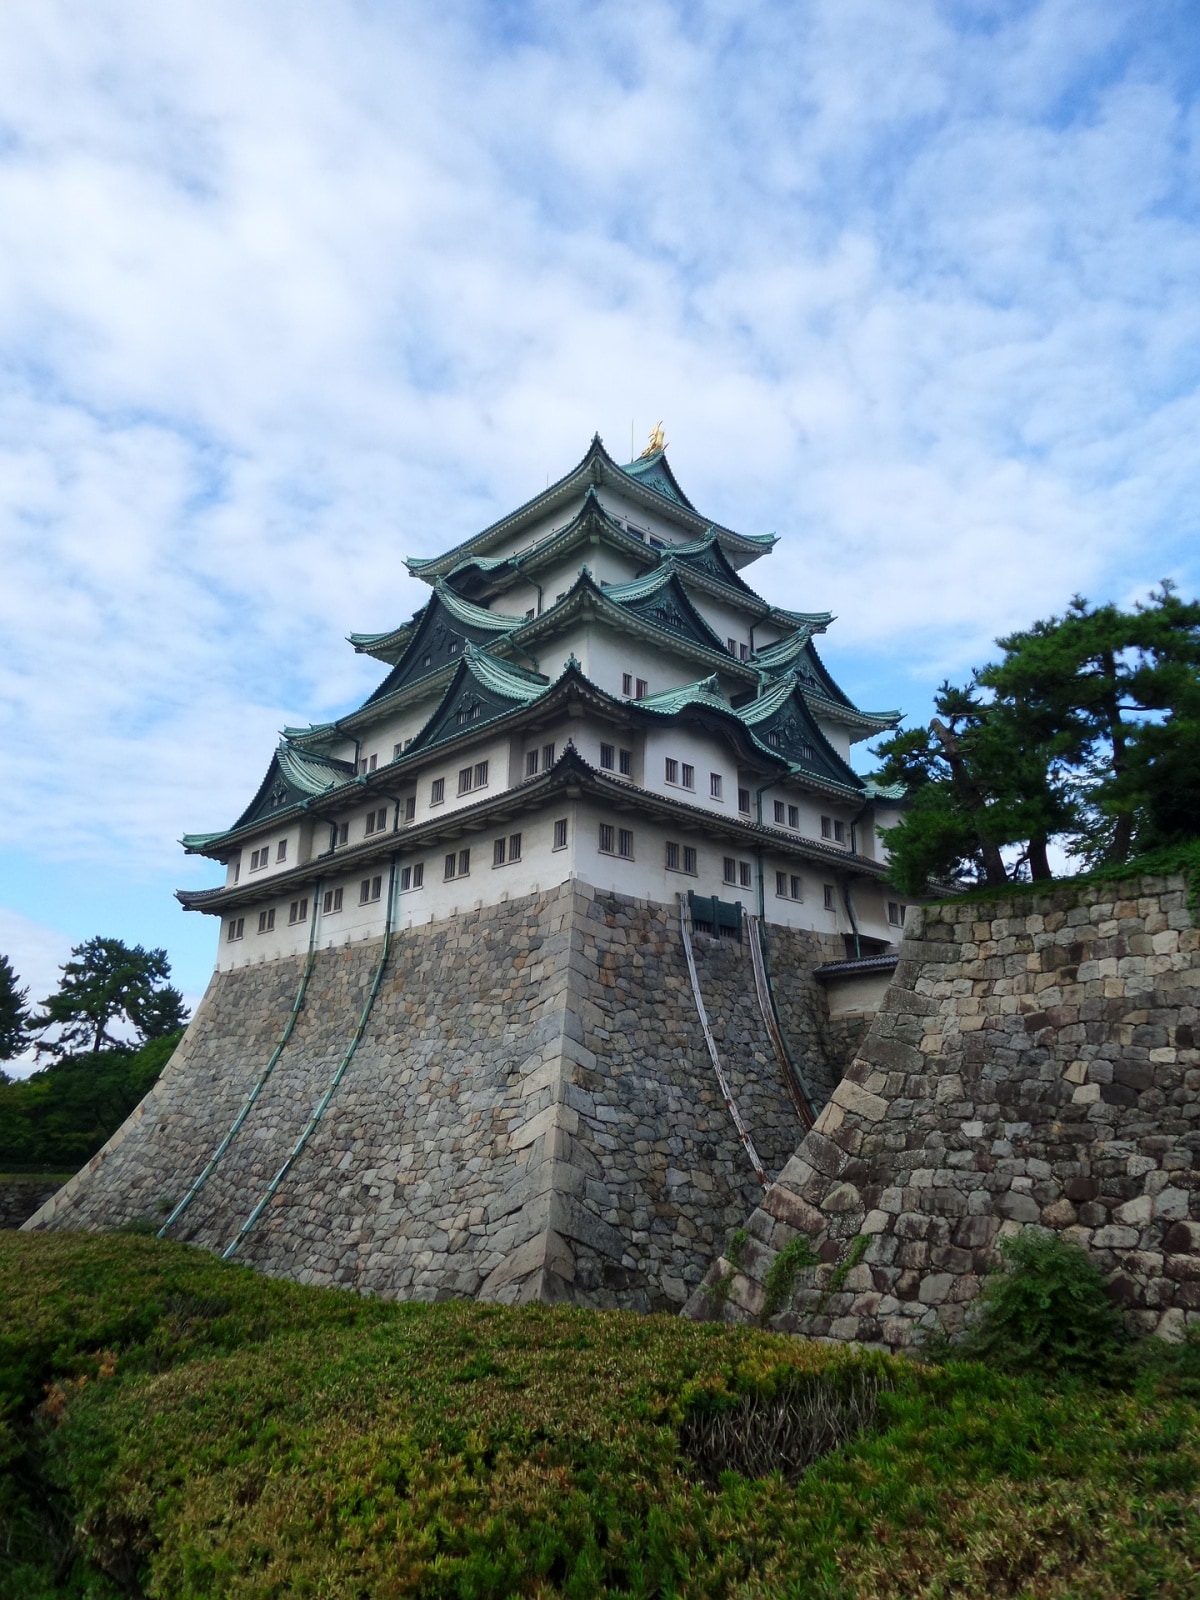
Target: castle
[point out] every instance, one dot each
(592, 691)
(533, 970)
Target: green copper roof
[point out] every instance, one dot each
(654, 471)
(788, 727)
(705, 691)
(481, 690)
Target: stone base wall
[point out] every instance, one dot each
(1034, 1064)
(20, 1197)
(531, 1111)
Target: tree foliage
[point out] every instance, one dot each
(14, 1013)
(1086, 731)
(107, 982)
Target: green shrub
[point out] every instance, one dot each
(1047, 1311)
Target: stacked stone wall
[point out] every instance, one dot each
(1034, 1064)
(531, 1111)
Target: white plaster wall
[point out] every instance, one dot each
(706, 755)
(858, 995)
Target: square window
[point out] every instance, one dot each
(715, 785)
(481, 774)
(781, 884)
(744, 801)
(547, 757)
(797, 892)
(560, 834)
(627, 683)
(745, 878)
(827, 827)
(626, 763)
(689, 859)
(464, 863)
(672, 770)
(780, 811)
(410, 808)
(514, 847)
(498, 852)
(730, 870)
(608, 838)
(464, 780)
(625, 843)
(689, 776)
(531, 763)
(607, 757)
(437, 791)
(793, 816)
(830, 898)
(451, 863)
(672, 857)
(642, 689)
(342, 831)
(281, 850)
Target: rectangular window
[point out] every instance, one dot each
(744, 801)
(281, 850)
(464, 863)
(793, 816)
(369, 889)
(642, 689)
(481, 774)
(437, 791)
(625, 843)
(896, 913)
(689, 859)
(547, 757)
(397, 751)
(627, 684)
(237, 927)
(780, 811)
(732, 643)
(341, 833)
(689, 776)
(266, 921)
(560, 834)
(498, 852)
(672, 770)
(410, 808)
(412, 877)
(608, 839)
(830, 898)
(529, 615)
(451, 864)
(608, 757)
(672, 857)
(797, 888)
(298, 911)
(374, 762)
(744, 651)
(514, 847)
(258, 858)
(625, 757)
(332, 901)
(376, 822)
(531, 763)
(827, 827)
(715, 785)
(464, 780)
(730, 870)
(788, 886)
(405, 879)
(781, 884)
(744, 875)
(237, 871)
(839, 832)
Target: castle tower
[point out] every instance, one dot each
(483, 1021)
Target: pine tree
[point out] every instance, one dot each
(14, 1013)
(106, 981)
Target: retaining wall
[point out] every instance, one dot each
(1034, 1063)
(531, 1112)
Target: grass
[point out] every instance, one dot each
(180, 1427)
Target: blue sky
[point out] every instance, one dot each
(288, 293)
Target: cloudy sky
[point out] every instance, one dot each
(289, 292)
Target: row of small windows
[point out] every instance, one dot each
(261, 858)
(739, 652)
(831, 827)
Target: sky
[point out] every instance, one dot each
(288, 293)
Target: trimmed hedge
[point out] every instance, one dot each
(178, 1427)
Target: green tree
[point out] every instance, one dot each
(1086, 731)
(14, 1013)
(105, 982)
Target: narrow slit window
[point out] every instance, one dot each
(744, 801)
(547, 757)
(830, 898)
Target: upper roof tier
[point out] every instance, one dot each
(648, 482)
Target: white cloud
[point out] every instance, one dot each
(286, 295)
